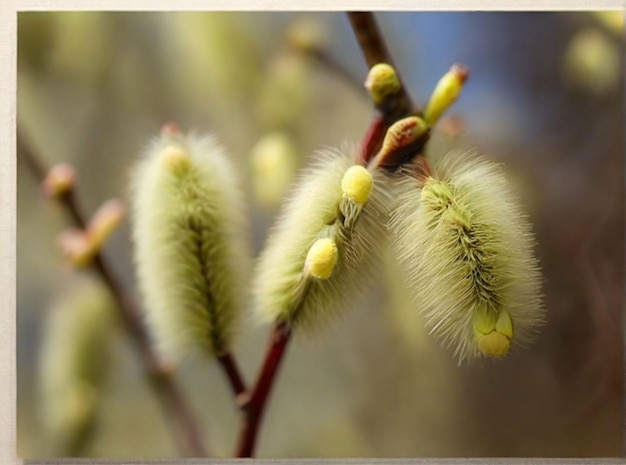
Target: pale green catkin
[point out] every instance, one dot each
(191, 252)
(466, 249)
(321, 207)
(73, 356)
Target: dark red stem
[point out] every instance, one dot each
(233, 374)
(254, 408)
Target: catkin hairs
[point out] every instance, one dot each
(190, 249)
(322, 252)
(466, 249)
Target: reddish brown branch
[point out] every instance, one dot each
(397, 105)
(184, 426)
(254, 408)
(233, 374)
(375, 51)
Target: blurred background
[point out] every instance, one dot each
(545, 97)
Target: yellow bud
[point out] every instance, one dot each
(59, 181)
(484, 321)
(504, 325)
(493, 344)
(321, 258)
(446, 92)
(382, 81)
(357, 184)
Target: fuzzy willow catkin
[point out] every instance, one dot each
(466, 250)
(76, 342)
(322, 252)
(190, 248)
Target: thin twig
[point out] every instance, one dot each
(233, 374)
(375, 51)
(185, 429)
(325, 59)
(254, 408)
(397, 105)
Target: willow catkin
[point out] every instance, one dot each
(322, 252)
(466, 250)
(190, 247)
(75, 348)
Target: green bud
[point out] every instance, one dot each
(446, 92)
(381, 82)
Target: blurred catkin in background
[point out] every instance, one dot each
(93, 87)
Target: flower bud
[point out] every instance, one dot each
(356, 184)
(381, 82)
(466, 250)
(446, 92)
(80, 247)
(105, 221)
(400, 141)
(190, 249)
(77, 248)
(321, 258)
(59, 181)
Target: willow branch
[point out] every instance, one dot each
(255, 406)
(184, 427)
(233, 375)
(397, 105)
(375, 51)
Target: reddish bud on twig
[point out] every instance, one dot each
(59, 181)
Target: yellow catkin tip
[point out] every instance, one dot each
(381, 82)
(493, 344)
(484, 321)
(174, 157)
(446, 92)
(504, 325)
(321, 258)
(357, 184)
